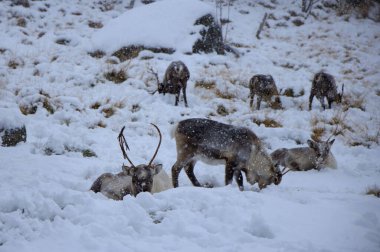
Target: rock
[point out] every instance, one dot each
(212, 39)
(12, 127)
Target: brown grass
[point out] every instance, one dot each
(268, 123)
(97, 54)
(116, 76)
(224, 95)
(317, 133)
(205, 84)
(373, 190)
(353, 101)
(108, 112)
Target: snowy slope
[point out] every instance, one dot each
(45, 204)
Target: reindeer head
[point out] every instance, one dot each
(142, 175)
(322, 150)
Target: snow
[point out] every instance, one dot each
(157, 26)
(46, 205)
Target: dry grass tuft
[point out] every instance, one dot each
(206, 84)
(116, 76)
(268, 123)
(108, 112)
(289, 92)
(373, 190)
(224, 95)
(97, 54)
(353, 101)
(317, 133)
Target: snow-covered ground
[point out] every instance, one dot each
(45, 202)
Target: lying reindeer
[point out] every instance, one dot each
(175, 79)
(133, 179)
(265, 88)
(318, 155)
(323, 85)
(239, 148)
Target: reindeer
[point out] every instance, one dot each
(239, 148)
(323, 85)
(316, 156)
(265, 88)
(133, 179)
(176, 76)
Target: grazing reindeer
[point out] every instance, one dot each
(316, 156)
(265, 88)
(239, 148)
(323, 85)
(175, 79)
(133, 179)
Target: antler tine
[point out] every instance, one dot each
(283, 173)
(123, 142)
(150, 69)
(159, 144)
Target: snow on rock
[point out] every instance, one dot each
(163, 24)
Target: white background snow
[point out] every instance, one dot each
(45, 202)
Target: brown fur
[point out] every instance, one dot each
(239, 148)
(324, 86)
(265, 88)
(176, 76)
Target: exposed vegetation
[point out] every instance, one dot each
(116, 76)
(373, 190)
(206, 84)
(267, 122)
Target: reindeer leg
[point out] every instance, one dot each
(311, 97)
(177, 98)
(252, 96)
(176, 169)
(184, 94)
(239, 179)
(329, 102)
(189, 168)
(322, 101)
(229, 173)
(259, 98)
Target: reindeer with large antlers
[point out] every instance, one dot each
(176, 76)
(133, 179)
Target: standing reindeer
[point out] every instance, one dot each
(176, 76)
(239, 148)
(265, 88)
(133, 179)
(323, 85)
(316, 156)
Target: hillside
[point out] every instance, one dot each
(58, 78)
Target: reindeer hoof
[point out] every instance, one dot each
(241, 188)
(208, 185)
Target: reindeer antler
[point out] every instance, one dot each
(150, 69)
(283, 173)
(123, 142)
(159, 144)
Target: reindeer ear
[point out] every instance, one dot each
(129, 170)
(312, 144)
(157, 168)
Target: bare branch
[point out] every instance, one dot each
(261, 26)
